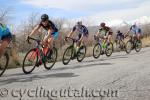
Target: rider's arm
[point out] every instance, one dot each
(98, 32)
(109, 31)
(72, 31)
(128, 31)
(81, 38)
(35, 30)
(49, 34)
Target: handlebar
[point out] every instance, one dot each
(74, 40)
(99, 37)
(30, 38)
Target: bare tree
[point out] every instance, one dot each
(5, 14)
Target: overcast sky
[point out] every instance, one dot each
(94, 11)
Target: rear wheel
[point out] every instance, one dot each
(3, 63)
(81, 53)
(67, 55)
(29, 61)
(109, 49)
(97, 50)
(138, 45)
(50, 59)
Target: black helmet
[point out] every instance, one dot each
(102, 24)
(118, 31)
(44, 17)
(79, 23)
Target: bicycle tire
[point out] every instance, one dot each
(136, 46)
(126, 47)
(70, 56)
(94, 51)
(5, 65)
(25, 58)
(79, 53)
(54, 51)
(106, 51)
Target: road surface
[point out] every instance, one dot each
(119, 77)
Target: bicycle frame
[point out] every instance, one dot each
(39, 50)
(73, 44)
(102, 41)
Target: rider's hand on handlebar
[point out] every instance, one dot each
(65, 39)
(27, 39)
(105, 37)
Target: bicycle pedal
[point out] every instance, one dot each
(38, 64)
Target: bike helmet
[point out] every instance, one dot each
(44, 17)
(118, 31)
(102, 24)
(79, 23)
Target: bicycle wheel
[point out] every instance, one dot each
(81, 53)
(138, 45)
(128, 47)
(3, 63)
(109, 49)
(51, 59)
(29, 61)
(67, 55)
(97, 50)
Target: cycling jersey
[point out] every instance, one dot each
(81, 30)
(104, 30)
(52, 26)
(135, 29)
(120, 36)
(4, 32)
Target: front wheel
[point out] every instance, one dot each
(81, 53)
(3, 63)
(97, 50)
(51, 58)
(67, 55)
(128, 47)
(138, 45)
(30, 61)
(109, 49)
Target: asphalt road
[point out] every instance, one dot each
(119, 77)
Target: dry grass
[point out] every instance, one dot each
(146, 42)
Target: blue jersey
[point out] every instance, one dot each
(4, 31)
(135, 29)
(81, 29)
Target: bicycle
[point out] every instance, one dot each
(133, 43)
(72, 53)
(120, 44)
(4, 60)
(102, 47)
(36, 57)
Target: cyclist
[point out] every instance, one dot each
(5, 38)
(105, 32)
(82, 33)
(120, 35)
(52, 32)
(135, 31)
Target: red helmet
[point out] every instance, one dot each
(102, 24)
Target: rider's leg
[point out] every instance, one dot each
(79, 40)
(85, 40)
(4, 44)
(109, 39)
(138, 36)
